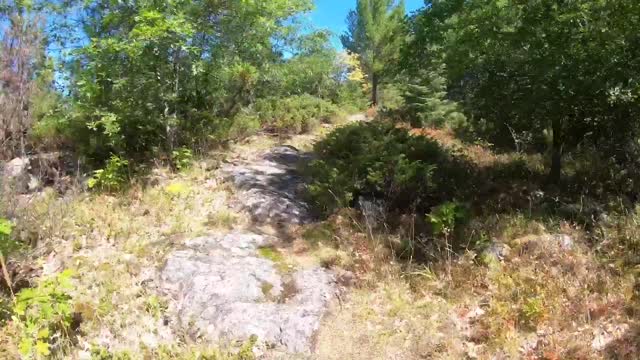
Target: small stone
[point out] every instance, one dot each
(475, 314)
(16, 167)
(53, 265)
(149, 341)
(84, 355)
(34, 183)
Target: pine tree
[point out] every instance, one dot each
(427, 102)
(376, 34)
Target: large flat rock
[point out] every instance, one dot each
(226, 292)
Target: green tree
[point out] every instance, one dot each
(159, 74)
(566, 69)
(376, 34)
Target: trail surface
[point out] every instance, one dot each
(227, 291)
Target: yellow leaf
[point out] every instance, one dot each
(42, 348)
(43, 333)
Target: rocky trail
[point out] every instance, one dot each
(226, 291)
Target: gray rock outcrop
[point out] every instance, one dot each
(269, 187)
(225, 292)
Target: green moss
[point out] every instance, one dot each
(275, 256)
(271, 253)
(178, 189)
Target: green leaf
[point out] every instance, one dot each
(43, 333)
(5, 227)
(42, 348)
(26, 346)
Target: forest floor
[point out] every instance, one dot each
(538, 292)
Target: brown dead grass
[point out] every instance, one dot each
(540, 302)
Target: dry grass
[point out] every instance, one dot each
(389, 321)
(538, 302)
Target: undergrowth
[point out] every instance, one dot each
(295, 114)
(507, 270)
(379, 160)
(43, 318)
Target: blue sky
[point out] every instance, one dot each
(331, 14)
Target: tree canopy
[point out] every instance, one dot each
(144, 77)
(566, 69)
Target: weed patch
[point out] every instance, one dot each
(44, 317)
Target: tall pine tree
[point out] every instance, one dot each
(375, 33)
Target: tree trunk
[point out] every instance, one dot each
(374, 90)
(556, 153)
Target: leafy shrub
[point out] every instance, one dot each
(182, 158)
(243, 124)
(352, 98)
(44, 316)
(204, 130)
(112, 177)
(295, 114)
(6, 245)
(445, 218)
(382, 161)
(532, 311)
(51, 132)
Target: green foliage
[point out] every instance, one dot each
(182, 158)
(446, 217)
(379, 160)
(295, 114)
(427, 104)
(376, 33)
(532, 311)
(113, 177)
(44, 316)
(244, 123)
(7, 244)
(155, 306)
(160, 75)
(5, 228)
(351, 97)
(315, 69)
(537, 67)
(50, 128)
